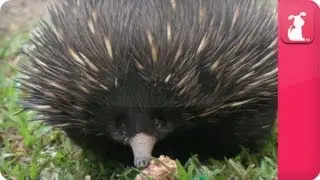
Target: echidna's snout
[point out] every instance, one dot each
(142, 145)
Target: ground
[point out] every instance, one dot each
(30, 150)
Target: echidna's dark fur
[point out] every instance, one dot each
(207, 69)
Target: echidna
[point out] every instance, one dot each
(173, 77)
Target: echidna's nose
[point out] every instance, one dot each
(142, 146)
(141, 162)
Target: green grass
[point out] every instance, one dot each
(29, 150)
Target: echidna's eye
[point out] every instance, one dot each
(120, 120)
(159, 123)
(159, 118)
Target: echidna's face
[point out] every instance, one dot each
(131, 121)
(137, 115)
(141, 129)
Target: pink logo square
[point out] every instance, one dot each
(297, 24)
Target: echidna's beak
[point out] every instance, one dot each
(142, 145)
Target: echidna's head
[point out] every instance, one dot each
(137, 114)
(141, 129)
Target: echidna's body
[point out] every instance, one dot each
(191, 76)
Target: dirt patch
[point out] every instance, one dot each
(18, 16)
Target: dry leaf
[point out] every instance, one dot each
(1, 177)
(1, 3)
(162, 169)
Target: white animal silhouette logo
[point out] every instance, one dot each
(295, 30)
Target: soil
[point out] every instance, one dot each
(18, 16)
